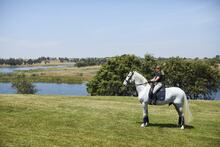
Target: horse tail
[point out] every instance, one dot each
(186, 111)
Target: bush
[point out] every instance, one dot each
(23, 86)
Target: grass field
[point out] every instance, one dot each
(56, 75)
(33, 120)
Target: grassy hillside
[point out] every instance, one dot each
(33, 120)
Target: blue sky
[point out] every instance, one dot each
(101, 28)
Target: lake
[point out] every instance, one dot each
(13, 69)
(61, 89)
(50, 89)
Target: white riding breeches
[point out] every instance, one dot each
(157, 86)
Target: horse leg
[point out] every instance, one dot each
(145, 115)
(179, 109)
(179, 114)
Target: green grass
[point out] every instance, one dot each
(55, 75)
(33, 120)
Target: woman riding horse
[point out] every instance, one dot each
(156, 84)
(173, 95)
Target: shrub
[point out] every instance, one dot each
(23, 86)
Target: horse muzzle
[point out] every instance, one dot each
(125, 83)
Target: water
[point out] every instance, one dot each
(50, 89)
(13, 69)
(6, 88)
(216, 95)
(45, 88)
(62, 89)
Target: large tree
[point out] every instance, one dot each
(109, 79)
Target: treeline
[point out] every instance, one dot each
(20, 61)
(79, 62)
(199, 78)
(90, 61)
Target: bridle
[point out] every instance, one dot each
(129, 77)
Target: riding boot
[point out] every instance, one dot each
(154, 99)
(150, 96)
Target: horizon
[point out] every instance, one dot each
(83, 29)
(110, 57)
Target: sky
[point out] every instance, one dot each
(105, 28)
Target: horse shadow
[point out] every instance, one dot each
(167, 125)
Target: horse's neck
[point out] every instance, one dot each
(142, 87)
(139, 80)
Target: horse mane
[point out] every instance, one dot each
(142, 78)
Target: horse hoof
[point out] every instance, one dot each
(143, 125)
(182, 128)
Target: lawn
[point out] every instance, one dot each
(34, 120)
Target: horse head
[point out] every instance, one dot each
(129, 78)
(134, 76)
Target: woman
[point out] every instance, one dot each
(156, 83)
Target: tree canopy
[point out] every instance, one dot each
(109, 79)
(198, 78)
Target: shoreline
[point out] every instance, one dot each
(36, 65)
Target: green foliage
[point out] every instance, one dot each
(109, 79)
(197, 78)
(23, 86)
(149, 63)
(90, 61)
(215, 61)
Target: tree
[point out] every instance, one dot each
(215, 61)
(197, 78)
(149, 63)
(23, 86)
(90, 61)
(30, 61)
(109, 79)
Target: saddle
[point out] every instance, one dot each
(158, 96)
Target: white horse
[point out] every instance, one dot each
(173, 95)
